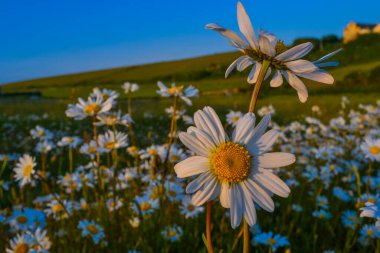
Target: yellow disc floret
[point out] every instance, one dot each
(92, 229)
(375, 150)
(230, 162)
(92, 108)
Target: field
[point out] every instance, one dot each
(91, 178)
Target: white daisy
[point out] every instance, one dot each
(105, 94)
(21, 243)
(41, 133)
(178, 91)
(114, 118)
(233, 117)
(130, 87)
(89, 149)
(112, 140)
(234, 169)
(267, 49)
(92, 107)
(71, 142)
(371, 149)
(25, 169)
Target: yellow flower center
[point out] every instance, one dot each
(230, 162)
(41, 133)
(28, 170)
(91, 150)
(92, 108)
(110, 145)
(92, 229)
(235, 118)
(271, 241)
(145, 206)
(152, 152)
(369, 232)
(190, 208)
(22, 219)
(21, 248)
(113, 204)
(325, 154)
(175, 89)
(70, 140)
(133, 150)
(171, 233)
(372, 200)
(56, 208)
(375, 150)
(332, 167)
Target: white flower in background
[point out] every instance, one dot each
(135, 222)
(44, 146)
(130, 87)
(92, 107)
(316, 109)
(114, 204)
(41, 243)
(178, 91)
(21, 243)
(344, 102)
(236, 169)
(89, 149)
(266, 47)
(266, 110)
(188, 209)
(41, 133)
(371, 149)
(105, 94)
(178, 113)
(71, 142)
(233, 117)
(111, 140)
(114, 118)
(25, 169)
(371, 210)
(133, 150)
(188, 120)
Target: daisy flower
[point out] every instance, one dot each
(235, 169)
(266, 49)
(112, 140)
(92, 107)
(188, 209)
(71, 142)
(41, 243)
(373, 211)
(89, 149)
(114, 118)
(21, 243)
(146, 204)
(44, 146)
(172, 233)
(130, 87)
(105, 94)
(90, 228)
(273, 240)
(27, 218)
(41, 133)
(371, 149)
(25, 169)
(178, 91)
(233, 117)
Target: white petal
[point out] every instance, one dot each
(243, 128)
(328, 56)
(193, 144)
(206, 139)
(232, 38)
(208, 121)
(232, 66)
(237, 205)
(301, 66)
(260, 196)
(198, 183)
(276, 159)
(192, 166)
(249, 206)
(297, 84)
(203, 195)
(244, 63)
(295, 52)
(257, 132)
(276, 79)
(255, 73)
(272, 182)
(245, 25)
(267, 140)
(266, 47)
(225, 196)
(321, 76)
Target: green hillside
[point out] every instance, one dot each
(206, 73)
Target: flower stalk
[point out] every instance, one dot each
(208, 227)
(256, 90)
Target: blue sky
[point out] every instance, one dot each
(50, 37)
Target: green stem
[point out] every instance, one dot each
(256, 90)
(172, 125)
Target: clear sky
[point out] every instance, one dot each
(49, 37)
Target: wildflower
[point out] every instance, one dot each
(188, 209)
(44, 146)
(130, 87)
(41, 133)
(113, 119)
(236, 169)
(369, 231)
(27, 219)
(20, 244)
(92, 107)
(371, 149)
(25, 169)
(112, 140)
(90, 228)
(135, 222)
(233, 117)
(349, 219)
(274, 241)
(41, 243)
(178, 91)
(133, 151)
(321, 214)
(172, 233)
(371, 210)
(71, 142)
(267, 49)
(266, 110)
(146, 205)
(114, 204)
(106, 94)
(89, 149)
(341, 194)
(322, 202)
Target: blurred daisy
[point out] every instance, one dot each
(92, 229)
(235, 169)
(178, 91)
(71, 142)
(112, 140)
(92, 107)
(188, 209)
(371, 210)
(25, 169)
(233, 117)
(113, 119)
(41, 243)
(266, 48)
(41, 133)
(130, 87)
(321, 214)
(133, 151)
(114, 204)
(27, 219)
(274, 241)
(369, 231)
(44, 146)
(371, 149)
(349, 219)
(172, 233)
(146, 205)
(89, 149)
(266, 110)
(20, 244)
(105, 94)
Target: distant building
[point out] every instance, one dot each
(354, 30)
